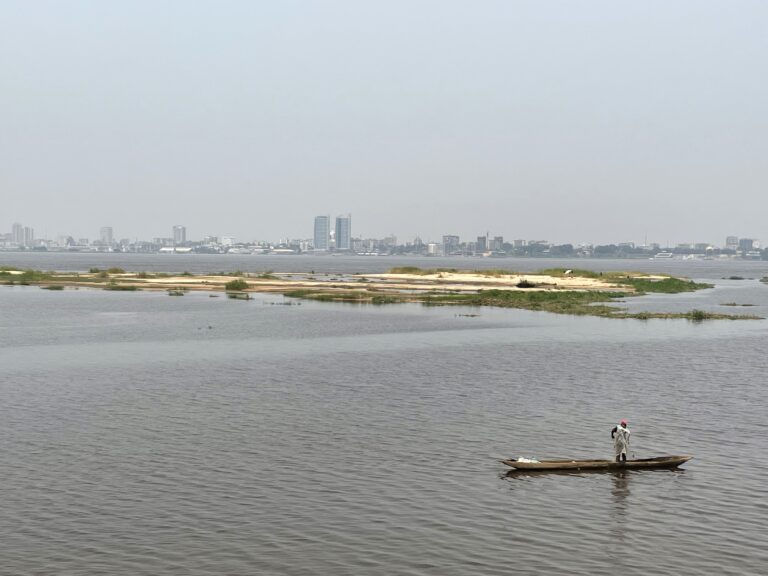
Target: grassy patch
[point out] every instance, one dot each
(28, 277)
(239, 295)
(577, 303)
(236, 285)
(121, 287)
(560, 302)
(416, 271)
(666, 286)
(576, 272)
(347, 296)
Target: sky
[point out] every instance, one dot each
(590, 121)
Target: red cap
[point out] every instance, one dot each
(623, 422)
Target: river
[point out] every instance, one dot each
(147, 434)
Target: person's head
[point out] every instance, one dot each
(623, 423)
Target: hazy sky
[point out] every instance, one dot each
(571, 121)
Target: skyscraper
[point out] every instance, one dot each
(450, 244)
(344, 232)
(105, 235)
(322, 232)
(179, 235)
(17, 234)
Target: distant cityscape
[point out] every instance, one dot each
(334, 236)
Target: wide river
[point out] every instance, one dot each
(142, 434)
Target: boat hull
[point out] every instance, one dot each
(645, 463)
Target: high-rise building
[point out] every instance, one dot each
(746, 244)
(732, 242)
(17, 234)
(344, 232)
(105, 235)
(482, 244)
(29, 236)
(497, 244)
(450, 244)
(179, 234)
(322, 232)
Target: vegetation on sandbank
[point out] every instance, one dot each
(524, 291)
(236, 285)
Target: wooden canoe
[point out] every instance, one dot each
(658, 462)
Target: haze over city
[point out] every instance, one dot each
(575, 122)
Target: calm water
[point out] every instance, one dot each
(144, 434)
(202, 263)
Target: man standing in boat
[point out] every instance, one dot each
(620, 435)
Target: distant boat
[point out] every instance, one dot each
(662, 255)
(658, 462)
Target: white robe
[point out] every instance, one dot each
(621, 440)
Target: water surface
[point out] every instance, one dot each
(144, 434)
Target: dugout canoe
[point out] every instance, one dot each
(643, 463)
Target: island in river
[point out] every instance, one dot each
(575, 292)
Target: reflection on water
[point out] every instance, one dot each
(620, 508)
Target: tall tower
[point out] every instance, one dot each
(344, 232)
(105, 235)
(17, 234)
(322, 232)
(179, 235)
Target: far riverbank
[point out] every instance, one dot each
(214, 263)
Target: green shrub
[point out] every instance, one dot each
(236, 285)
(697, 315)
(121, 288)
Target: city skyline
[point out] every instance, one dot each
(299, 230)
(337, 235)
